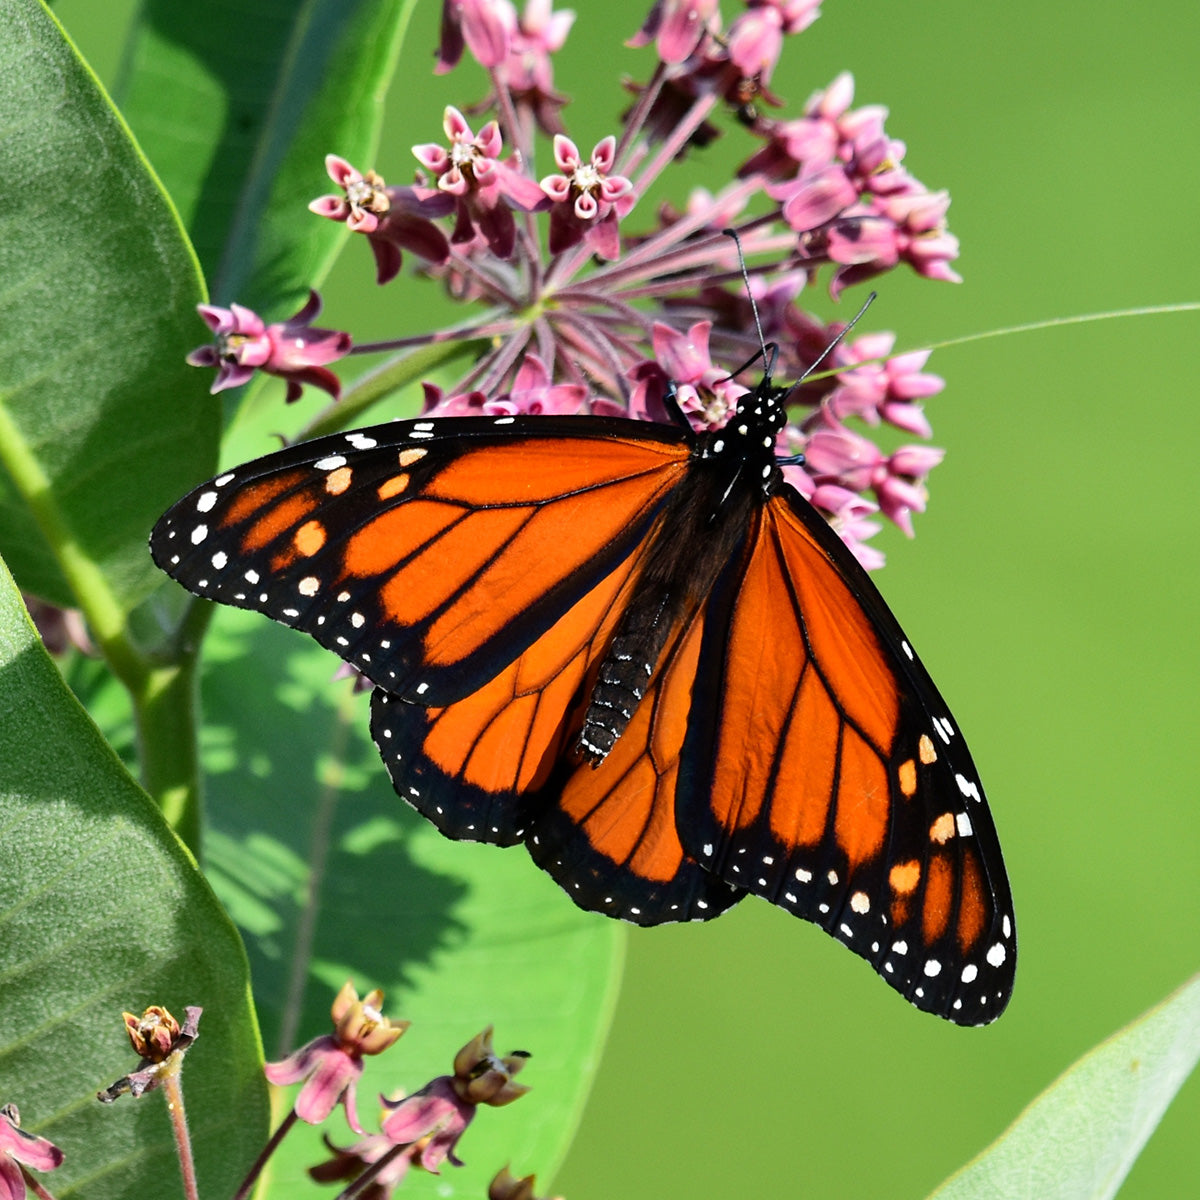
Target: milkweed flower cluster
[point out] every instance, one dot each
(590, 301)
(418, 1131)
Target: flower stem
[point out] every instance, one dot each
(35, 1187)
(261, 1161)
(360, 1184)
(172, 1086)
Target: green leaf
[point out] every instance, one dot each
(237, 106)
(1079, 1138)
(332, 877)
(101, 909)
(102, 424)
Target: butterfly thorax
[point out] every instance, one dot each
(702, 531)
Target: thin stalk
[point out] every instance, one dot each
(272, 1145)
(172, 1086)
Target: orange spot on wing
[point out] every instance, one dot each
(309, 538)
(336, 482)
(974, 906)
(275, 522)
(907, 775)
(942, 830)
(904, 877)
(408, 457)
(392, 487)
(939, 897)
(926, 750)
(256, 495)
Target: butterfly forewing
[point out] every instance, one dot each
(429, 554)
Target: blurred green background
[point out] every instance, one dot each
(1053, 591)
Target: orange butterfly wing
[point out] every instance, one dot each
(821, 771)
(429, 554)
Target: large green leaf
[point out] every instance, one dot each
(1079, 1138)
(237, 106)
(100, 419)
(101, 909)
(331, 876)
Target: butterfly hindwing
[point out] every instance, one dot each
(477, 768)
(502, 766)
(429, 554)
(822, 771)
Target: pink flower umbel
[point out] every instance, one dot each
(20, 1149)
(292, 349)
(331, 1065)
(585, 302)
(438, 1115)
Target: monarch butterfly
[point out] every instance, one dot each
(637, 649)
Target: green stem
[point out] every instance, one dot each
(101, 608)
(163, 695)
(164, 709)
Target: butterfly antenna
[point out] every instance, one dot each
(833, 345)
(768, 356)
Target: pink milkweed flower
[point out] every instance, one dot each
(856, 463)
(19, 1148)
(676, 27)
(440, 1112)
(527, 70)
(349, 1162)
(391, 218)
(587, 199)
(331, 1065)
(706, 394)
(484, 26)
(876, 391)
(908, 227)
(292, 349)
(755, 38)
(532, 393)
(482, 186)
